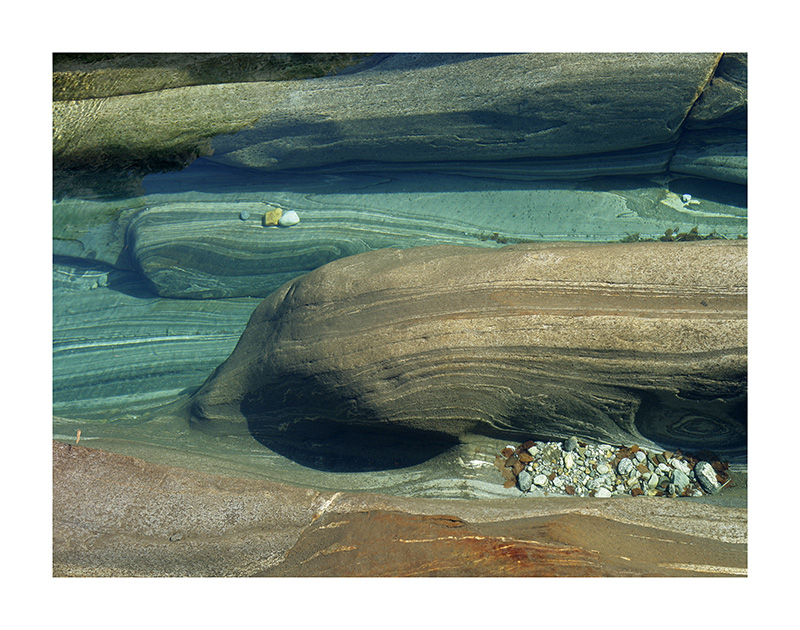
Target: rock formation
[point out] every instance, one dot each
(625, 343)
(115, 515)
(392, 108)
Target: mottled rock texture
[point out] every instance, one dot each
(115, 515)
(621, 342)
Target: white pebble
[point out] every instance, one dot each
(289, 218)
(540, 480)
(686, 198)
(603, 493)
(603, 469)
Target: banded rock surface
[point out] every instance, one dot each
(621, 342)
(200, 248)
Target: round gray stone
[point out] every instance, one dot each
(625, 466)
(681, 480)
(524, 480)
(571, 444)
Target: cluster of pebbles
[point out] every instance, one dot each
(601, 470)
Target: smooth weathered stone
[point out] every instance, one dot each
(625, 466)
(392, 108)
(525, 480)
(468, 107)
(540, 480)
(115, 515)
(707, 477)
(681, 480)
(552, 340)
(571, 444)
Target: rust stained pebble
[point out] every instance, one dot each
(518, 467)
(509, 474)
(271, 217)
(509, 483)
(525, 457)
(569, 489)
(499, 462)
(507, 452)
(636, 492)
(511, 460)
(642, 468)
(526, 445)
(634, 448)
(551, 476)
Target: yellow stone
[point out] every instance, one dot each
(271, 217)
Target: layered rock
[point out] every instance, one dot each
(119, 351)
(714, 143)
(198, 246)
(388, 108)
(115, 515)
(627, 343)
(422, 108)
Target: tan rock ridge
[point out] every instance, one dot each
(622, 343)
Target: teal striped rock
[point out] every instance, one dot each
(196, 246)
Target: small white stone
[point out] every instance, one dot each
(679, 464)
(625, 466)
(603, 469)
(686, 198)
(603, 493)
(540, 480)
(640, 456)
(289, 218)
(569, 460)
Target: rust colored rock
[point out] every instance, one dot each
(383, 544)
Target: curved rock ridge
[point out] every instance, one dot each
(614, 342)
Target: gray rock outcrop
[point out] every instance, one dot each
(611, 342)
